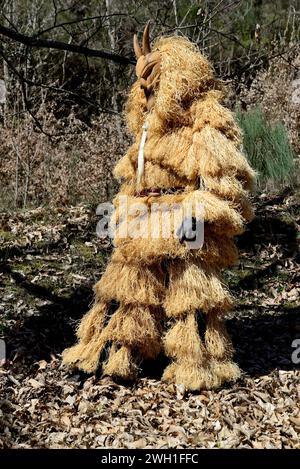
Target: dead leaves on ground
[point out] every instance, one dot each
(42, 405)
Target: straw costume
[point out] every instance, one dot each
(158, 295)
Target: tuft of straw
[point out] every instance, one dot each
(192, 287)
(85, 354)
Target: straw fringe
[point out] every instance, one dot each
(125, 169)
(131, 283)
(209, 112)
(191, 376)
(217, 340)
(192, 288)
(134, 234)
(121, 364)
(136, 327)
(219, 156)
(217, 251)
(183, 341)
(85, 354)
(219, 347)
(225, 371)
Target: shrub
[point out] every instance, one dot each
(267, 147)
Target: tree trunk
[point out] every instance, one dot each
(111, 36)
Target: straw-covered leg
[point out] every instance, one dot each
(85, 354)
(190, 365)
(134, 332)
(219, 348)
(199, 360)
(199, 364)
(124, 326)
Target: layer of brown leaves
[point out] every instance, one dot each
(54, 410)
(52, 258)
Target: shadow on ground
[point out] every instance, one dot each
(262, 343)
(52, 327)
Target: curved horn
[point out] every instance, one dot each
(146, 39)
(136, 46)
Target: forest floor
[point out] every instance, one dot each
(49, 261)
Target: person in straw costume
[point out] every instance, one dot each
(157, 294)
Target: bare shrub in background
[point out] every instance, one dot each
(277, 91)
(73, 166)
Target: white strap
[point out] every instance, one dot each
(141, 158)
(201, 184)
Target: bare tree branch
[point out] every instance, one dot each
(23, 80)
(30, 41)
(86, 99)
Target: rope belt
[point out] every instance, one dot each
(157, 191)
(141, 158)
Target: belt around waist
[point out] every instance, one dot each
(157, 191)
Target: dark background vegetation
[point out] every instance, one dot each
(61, 120)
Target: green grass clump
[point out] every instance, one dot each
(267, 147)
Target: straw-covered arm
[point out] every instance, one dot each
(225, 175)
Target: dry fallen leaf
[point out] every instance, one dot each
(35, 384)
(295, 421)
(65, 420)
(42, 364)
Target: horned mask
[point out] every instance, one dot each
(148, 66)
